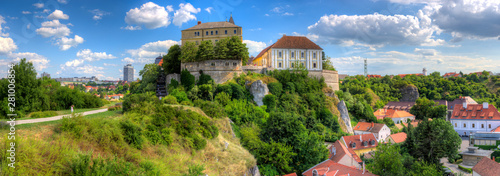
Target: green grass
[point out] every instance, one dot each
(468, 170)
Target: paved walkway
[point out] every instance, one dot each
(454, 167)
(19, 122)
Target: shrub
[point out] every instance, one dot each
(195, 170)
(179, 95)
(238, 91)
(468, 170)
(114, 108)
(187, 79)
(204, 79)
(43, 114)
(132, 133)
(169, 99)
(275, 88)
(224, 88)
(198, 142)
(173, 84)
(187, 103)
(486, 147)
(270, 101)
(139, 101)
(212, 109)
(222, 98)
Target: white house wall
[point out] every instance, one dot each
(286, 58)
(477, 125)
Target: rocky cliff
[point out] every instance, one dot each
(259, 90)
(409, 93)
(344, 119)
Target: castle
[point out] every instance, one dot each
(287, 53)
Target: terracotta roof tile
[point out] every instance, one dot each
(331, 168)
(350, 141)
(296, 42)
(497, 129)
(398, 137)
(391, 113)
(340, 151)
(490, 113)
(369, 127)
(487, 167)
(292, 174)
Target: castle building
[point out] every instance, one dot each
(291, 52)
(213, 31)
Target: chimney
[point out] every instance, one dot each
(493, 158)
(199, 22)
(485, 105)
(464, 105)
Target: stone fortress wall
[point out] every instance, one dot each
(224, 70)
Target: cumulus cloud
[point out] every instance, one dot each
(88, 55)
(426, 52)
(127, 60)
(2, 21)
(374, 29)
(53, 29)
(149, 51)
(132, 28)
(255, 47)
(209, 9)
(150, 15)
(58, 15)
(185, 14)
(169, 8)
(38, 5)
(74, 63)
(66, 43)
(26, 12)
(39, 62)
(7, 46)
(98, 14)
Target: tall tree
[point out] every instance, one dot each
(237, 49)
(221, 50)
(149, 75)
(387, 160)
(171, 61)
(205, 51)
(425, 108)
(188, 52)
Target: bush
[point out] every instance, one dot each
(169, 99)
(173, 84)
(275, 88)
(486, 147)
(222, 98)
(204, 79)
(195, 170)
(212, 109)
(187, 103)
(179, 95)
(43, 114)
(198, 142)
(139, 101)
(468, 170)
(187, 79)
(132, 133)
(270, 101)
(238, 91)
(114, 108)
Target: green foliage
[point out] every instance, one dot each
(468, 170)
(188, 52)
(204, 78)
(275, 88)
(328, 65)
(222, 98)
(389, 122)
(114, 108)
(198, 142)
(173, 84)
(237, 50)
(220, 50)
(169, 99)
(387, 160)
(242, 112)
(212, 109)
(139, 102)
(83, 165)
(187, 79)
(486, 147)
(270, 101)
(425, 108)
(205, 51)
(195, 170)
(267, 169)
(181, 96)
(171, 61)
(149, 75)
(43, 114)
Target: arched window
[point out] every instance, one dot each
(302, 54)
(314, 55)
(279, 65)
(314, 65)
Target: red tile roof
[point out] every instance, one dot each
(487, 167)
(161, 62)
(341, 151)
(403, 75)
(373, 76)
(391, 113)
(497, 129)
(331, 168)
(296, 42)
(475, 112)
(369, 127)
(292, 174)
(355, 143)
(451, 74)
(398, 137)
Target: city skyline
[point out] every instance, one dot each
(71, 38)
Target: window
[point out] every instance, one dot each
(473, 125)
(465, 125)
(279, 54)
(234, 31)
(292, 54)
(293, 65)
(279, 65)
(211, 32)
(227, 63)
(195, 34)
(302, 64)
(212, 64)
(489, 125)
(216, 32)
(455, 124)
(226, 31)
(207, 32)
(314, 55)
(235, 64)
(482, 125)
(314, 65)
(302, 54)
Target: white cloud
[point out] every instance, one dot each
(281, 10)
(132, 28)
(127, 60)
(58, 15)
(26, 12)
(416, 1)
(106, 64)
(426, 52)
(374, 29)
(88, 55)
(150, 15)
(254, 47)
(74, 63)
(7, 46)
(169, 8)
(98, 14)
(39, 62)
(66, 43)
(62, 1)
(53, 29)
(184, 14)
(149, 51)
(89, 70)
(45, 11)
(38, 5)
(287, 14)
(209, 9)
(2, 21)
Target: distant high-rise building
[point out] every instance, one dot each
(128, 73)
(45, 74)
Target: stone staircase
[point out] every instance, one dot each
(161, 88)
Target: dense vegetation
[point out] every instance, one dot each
(43, 94)
(231, 48)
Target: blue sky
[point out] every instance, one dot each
(68, 38)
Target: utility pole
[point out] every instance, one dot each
(366, 68)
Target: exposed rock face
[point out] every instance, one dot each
(344, 119)
(409, 93)
(258, 89)
(254, 171)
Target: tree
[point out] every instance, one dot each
(187, 79)
(188, 52)
(205, 51)
(387, 160)
(425, 108)
(433, 140)
(221, 50)
(171, 61)
(237, 50)
(149, 75)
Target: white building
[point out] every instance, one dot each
(467, 118)
(381, 131)
(291, 52)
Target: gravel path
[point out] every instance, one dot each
(19, 122)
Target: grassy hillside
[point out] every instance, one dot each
(101, 145)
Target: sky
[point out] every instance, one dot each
(70, 38)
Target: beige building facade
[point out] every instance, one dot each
(213, 31)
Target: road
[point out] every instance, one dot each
(19, 122)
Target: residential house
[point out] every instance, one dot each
(291, 52)
(396, 138)
(397, 116)
(473, 155)
(292, 174)
(90, 88)
(339, 153)
(380, 130)
(451, 74)
(459, 101)
(486, 167)
(331, 168)
(360, 143)
(471, 118)
(373, 76)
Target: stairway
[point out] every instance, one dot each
(161, 89)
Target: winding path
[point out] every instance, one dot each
(19, 122)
